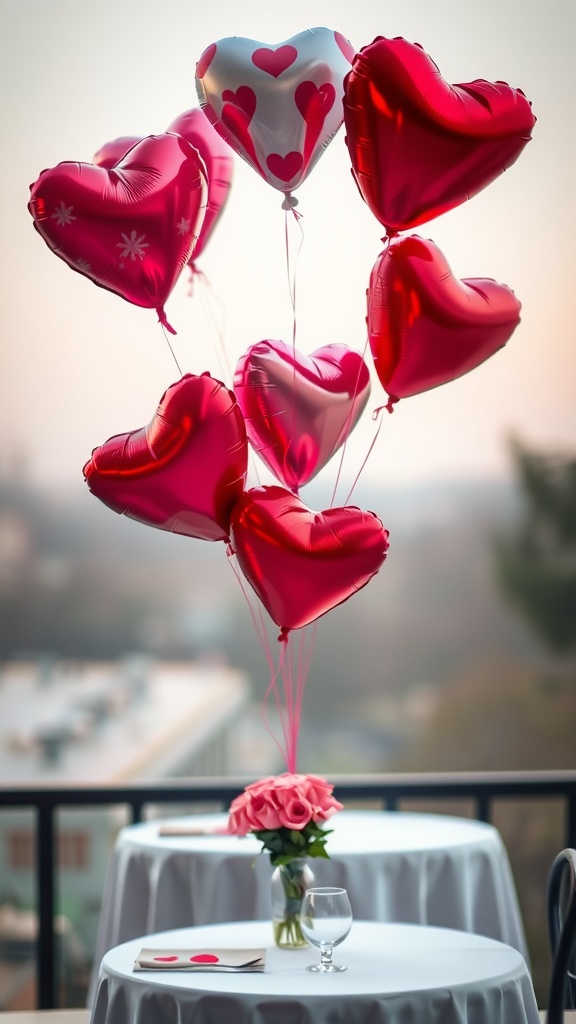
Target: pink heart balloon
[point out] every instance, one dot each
(278, 106)
(425, 326)
(130, 228)
(301, 563)
(194, 126)
(185, 470)
(300, 409)
(218, 161)
(420, 146)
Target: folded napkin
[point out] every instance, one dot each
(237, 961)
(189, 829)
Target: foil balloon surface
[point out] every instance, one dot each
(277, 105)
(216, 156)
(426, 327)
(185, 470)
(302, 563)
(130, 228)
(420, 146)
(299, 409)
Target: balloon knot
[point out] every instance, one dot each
(390, 234)
(283, 635)
(391, 403)
(162, 320)
(290, 201)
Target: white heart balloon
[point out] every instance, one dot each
(279, 105)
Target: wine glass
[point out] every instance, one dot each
(326, 920)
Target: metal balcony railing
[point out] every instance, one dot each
(386, 791)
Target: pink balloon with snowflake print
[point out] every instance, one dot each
(130, 228)
(278, 105)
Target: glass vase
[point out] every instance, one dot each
(289, 884)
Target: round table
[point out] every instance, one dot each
(396, 866)
(396, 973)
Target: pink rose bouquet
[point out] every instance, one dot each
(285, 812)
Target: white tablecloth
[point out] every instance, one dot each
(396, 974)
(420, 868)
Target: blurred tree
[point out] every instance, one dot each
(536, 564)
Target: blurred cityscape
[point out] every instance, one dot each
(128, 653)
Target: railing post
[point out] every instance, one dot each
(571, 820)
(483, 807)
(45, 863)
(136, 807)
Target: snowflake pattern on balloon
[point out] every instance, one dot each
(83, 265)
(183, 226)
(132, 246)
(63, 214)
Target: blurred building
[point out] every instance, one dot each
(64, 723)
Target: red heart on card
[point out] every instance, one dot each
(302, 563)
(420, 146)
(130, 228)
(425, 326)
(185, 470)
(300, 409)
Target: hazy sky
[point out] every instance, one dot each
(78, 364)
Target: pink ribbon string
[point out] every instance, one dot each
(169, 343)
(288, 703)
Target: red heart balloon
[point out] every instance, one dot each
(185, 470)
(420, 146)
(300, 409)
(425, 326)
(130, 228)
(303, 563)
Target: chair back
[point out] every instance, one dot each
(562, 935)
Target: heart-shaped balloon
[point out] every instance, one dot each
(425, 326)
(300, 409)
(195, 127)
(303, 563)
(185, 470)
(420, 146)
(277, 105)
(130, 228)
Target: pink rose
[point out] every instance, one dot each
(320, 796)
(289, 800)
(294, 812)
(238, 823)
(262, 812)
(261, 786)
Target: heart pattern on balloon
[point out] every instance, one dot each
(420, 146)
(277, 106)
(185, 470)
(130, 228)
(275, 61)
(300, 409)
(302, 563)
(425, 326)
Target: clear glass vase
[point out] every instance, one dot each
(289, 884)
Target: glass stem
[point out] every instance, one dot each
(326, 954)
